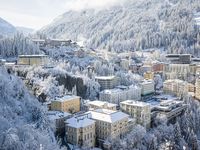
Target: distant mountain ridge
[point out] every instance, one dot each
(6, 29)
(138, 24)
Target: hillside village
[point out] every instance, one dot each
(122, 90)
(131, 82)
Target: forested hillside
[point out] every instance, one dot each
(23, 123)
(136, 25)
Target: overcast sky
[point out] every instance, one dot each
(38, 13)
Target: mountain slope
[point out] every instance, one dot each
(6, 28)
(23, 123)
(135, 25)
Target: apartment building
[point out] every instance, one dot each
(179, 71)
(120, 93)
(147, 87)
(109, 124)
(32, 60)
(107, 82)
(80, 131)
(176, 87)
(141, 111)
(92, 105)
(67, 103)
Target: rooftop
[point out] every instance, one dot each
(101, 103)
(107, 115)
(135, 103)
(39, 55)
(79, 121)
(67, 98)
(104, 77)
(53, 115)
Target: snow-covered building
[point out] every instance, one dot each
(120, 93)
(57, 118)
(100, 105)
(147, 87)
(175, 71)
(68, 103)
(80, 130)
(107, 82)
(109, 124)
(166, 107)
(141, 111)
(176, 87)
(32, 60)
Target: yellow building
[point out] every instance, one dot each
(141, 111)
(80, 130)
(149, 75)
(67, 103)
(32, 60)
(177, 87)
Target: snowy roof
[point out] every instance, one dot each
(101, 103)
(174, 81)
(164, 104)
(38, 40)
(53, 115)
(146, 82)
(79, 121)
(135, 103)
(104, 77)
(107, 115)
(67, 98)
(110, 91)
(33, 56)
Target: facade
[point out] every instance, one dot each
(176, 87)
(80, 131)
(121, 93)
(58, 118)
(147, 87)
(149, 75)
(109, 124)
(141, 111)
(197, 90)
(101, 105)
(67, 103)
(32, 60)
(107, 82)
(157, 67)
(179, 71)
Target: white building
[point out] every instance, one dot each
(147, 87)
(100, 105)
(107, 82)
(176, 87)
(141, 111)
(121, 93)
